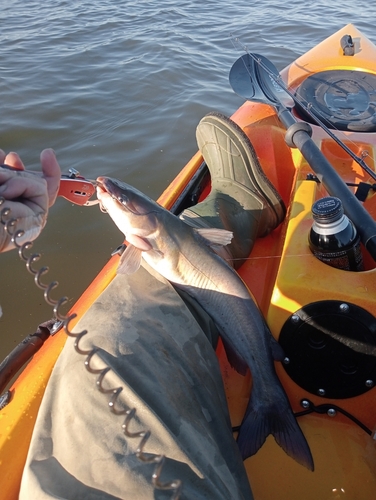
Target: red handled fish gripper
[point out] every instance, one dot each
(73, 187)
(77, 189)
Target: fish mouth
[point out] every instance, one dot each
(112, 187)
(105, 185)
(102, 185)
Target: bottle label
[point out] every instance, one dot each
(349, 260)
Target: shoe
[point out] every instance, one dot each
(242, 199)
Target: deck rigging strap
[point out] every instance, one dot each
(330, 409)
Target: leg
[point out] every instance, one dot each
(167, 368)
(242, 199)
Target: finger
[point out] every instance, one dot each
(23, 185)
(51, 172)
(13, 160)
(2, 157)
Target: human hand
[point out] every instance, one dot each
(28, 194)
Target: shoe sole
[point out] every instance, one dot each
(242, 142)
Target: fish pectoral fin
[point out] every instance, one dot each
(216, 236)
(139, 242)
(235, 360)
(130, 260)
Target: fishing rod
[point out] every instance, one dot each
(318, 122)
(272, 72)
(252, 81)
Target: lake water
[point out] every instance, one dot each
(117, 88)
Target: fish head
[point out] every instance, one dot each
(134, 213)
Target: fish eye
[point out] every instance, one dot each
(123, 199)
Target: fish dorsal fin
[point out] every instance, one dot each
(130, 260)
(215, 236)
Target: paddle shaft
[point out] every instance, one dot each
(255, 78)
(266, 67)
(331, 180)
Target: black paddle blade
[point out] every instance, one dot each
(255, 78)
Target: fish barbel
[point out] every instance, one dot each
(185, 257)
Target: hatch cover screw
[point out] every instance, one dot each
(321, 392)
(344, 308)
(305, 403)
(295, 318)
(369, 383)
(331, 412)
(286, 361)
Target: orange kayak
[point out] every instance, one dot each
(323, 316)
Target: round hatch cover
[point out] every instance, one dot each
(330, 349)
(341, 99)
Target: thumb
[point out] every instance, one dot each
(51, 172)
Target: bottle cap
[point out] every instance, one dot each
(328, 209)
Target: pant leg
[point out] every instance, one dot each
(167, 368)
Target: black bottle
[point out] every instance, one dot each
(333, 238)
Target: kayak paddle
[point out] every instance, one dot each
(255, 78)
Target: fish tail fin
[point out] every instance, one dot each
(258, 424)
